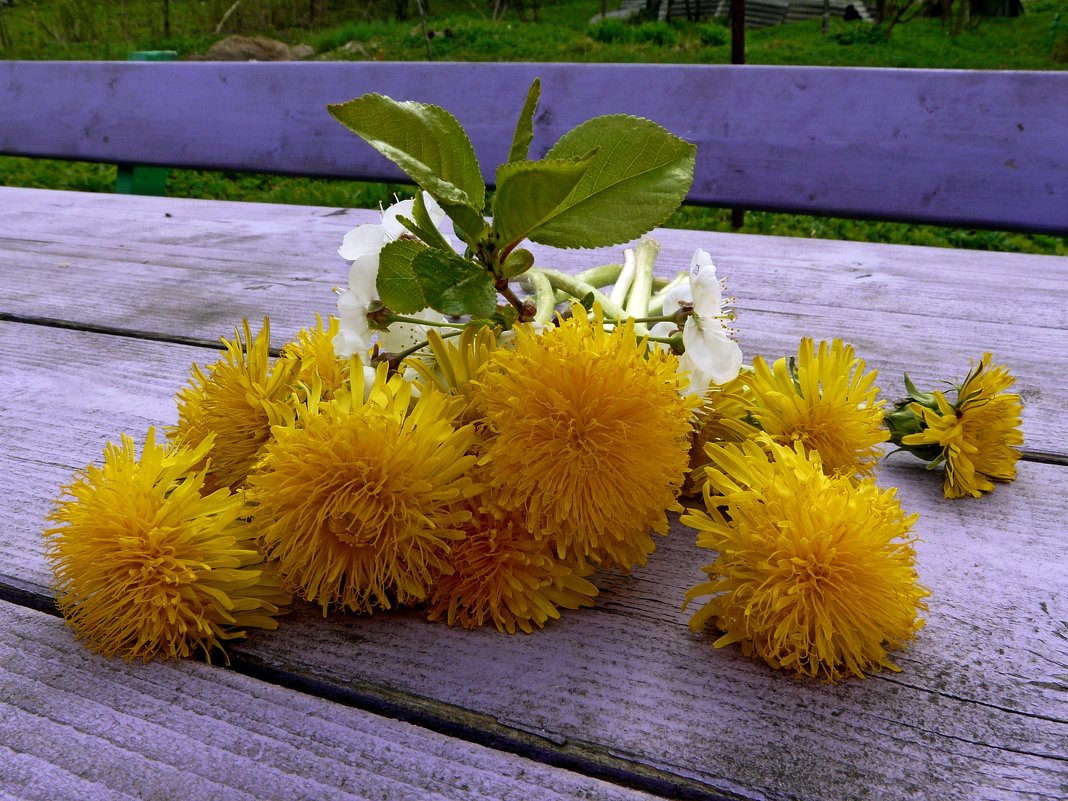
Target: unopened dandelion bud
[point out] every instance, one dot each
(976, 437)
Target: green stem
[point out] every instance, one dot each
(656, 318)
(638, 301)
(544, 296)
(626, 278)
(579, 289)
(675, 342)
(601, 276)
(404, 354)
(509, 294)
(396, 318)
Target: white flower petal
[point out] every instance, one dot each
(368, 381)
(346, 344)
(394, 228)
(355, 334)
(402, 336)
(705, 285)
(711, 351)
(363, 277)
(663, 330)
(698, 380)
(676, 296)
(362, 241)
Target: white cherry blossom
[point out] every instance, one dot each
(362, 246)
(711, 356)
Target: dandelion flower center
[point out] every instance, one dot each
(979, 435)
(501, 572)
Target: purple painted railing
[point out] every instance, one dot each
(987, 149)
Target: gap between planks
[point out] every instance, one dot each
(587, 759)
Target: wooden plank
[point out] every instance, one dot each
(979, 711)
(967, 148)
(74, 725)
(196, 272)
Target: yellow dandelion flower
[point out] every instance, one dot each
(722, 417)
(235, 402)
(454, 366)
(359, 500)
(503, 573)
(976, 437)
(815, 573)
(590, 437)
(315, 359)
(147, 566)
(825, 400)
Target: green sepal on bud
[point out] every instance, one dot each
(379, 316)
(923, 398)
(905, 420)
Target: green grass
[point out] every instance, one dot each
(462, 30)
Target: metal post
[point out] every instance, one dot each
(737, 57)
(138, 179)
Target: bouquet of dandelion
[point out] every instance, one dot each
(479, 436)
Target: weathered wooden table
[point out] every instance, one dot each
(105, 301)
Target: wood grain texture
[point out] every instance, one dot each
(980, 710)
(959, 147)
(189, 268)
(74, 725)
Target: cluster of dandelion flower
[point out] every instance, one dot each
(815, 567)
(976, 438)
(480, 437)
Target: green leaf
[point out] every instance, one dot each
(524, 126)
(532, 194)
(454, 285)
(425, 141)
(469, 224)
(428, 232)
(639, 176)
(518, 262)
(397, 285)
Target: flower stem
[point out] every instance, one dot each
(579, 289)
(544, 296)
(626, 278)
(509, 294)
(397, 358)
(657, 318)
(600, 276)
(638, 301)
(397, 318)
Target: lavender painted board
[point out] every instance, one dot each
(185, 268)
(978, 713)
(957, 147)
(74, 725)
